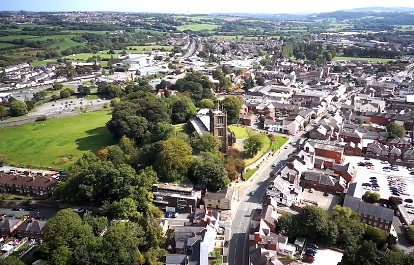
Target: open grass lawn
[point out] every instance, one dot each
(55, 143)
(266, 145)
(375, 60)
(198, 27)
(281, 140)
(249, 173)
(240, 132)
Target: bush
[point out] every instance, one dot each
(410, 233)
(41, 118)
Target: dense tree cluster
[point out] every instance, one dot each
(363, 244)
(69, 239)
(395, 130)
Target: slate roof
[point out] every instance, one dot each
(30, 225)
(372, 210)
(323, 178)
(224, 193)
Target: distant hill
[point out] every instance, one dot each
(381, 9)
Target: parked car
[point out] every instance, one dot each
(310, 245)
(411, 211)
(409, 200)
(170, 215)
(367, 158)
(409, 205)
(16, 209)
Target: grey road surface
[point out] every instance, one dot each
(238, 245)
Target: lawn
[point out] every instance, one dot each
(281, 140)
(197, 27)
(265, 147)
(240, 132)
(375, 60)
(249, 173)
(55, 143)
(68, 43)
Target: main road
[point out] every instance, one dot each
(238, 245)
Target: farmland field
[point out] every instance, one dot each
(375, 60)
(6, 45)
(55, 143)
(197, 27)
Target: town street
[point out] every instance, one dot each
(238, 245)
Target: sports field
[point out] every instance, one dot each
(55, 143)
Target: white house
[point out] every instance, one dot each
(283, 192)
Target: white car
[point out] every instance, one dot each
(411, 211)
(409, 206)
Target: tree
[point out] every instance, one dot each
(376, 235)
(66, 229)
(211, 171)
(125, 239)
(64, 93)
(116, 181)
(206, 104)
(232, 106)
(174, 160)
(396, 130)
(98, 224)
(205, 142)
(410, 233)
(17, 108)
(182, 109)
(248, 84)
(284, 223)
(311, 222)
(57, 86)
(260, 81)
(371, 197)
(11, 260)
(253, 144)
(126, 208)
(3, 112)
(60, 256)
(114, 90)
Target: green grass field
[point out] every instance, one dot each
(249, 173)
(197, 27)
(281, 140)
(240, 132)
(55, 143)
(66, 45)
(266, 145)
(6, 45)
(16, 37)
(374, 60)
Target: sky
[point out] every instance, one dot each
(197, 6)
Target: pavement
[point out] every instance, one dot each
(238, 245)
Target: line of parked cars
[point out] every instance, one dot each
(310, 252)
(396, 187)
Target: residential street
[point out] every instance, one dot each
(238, 247)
